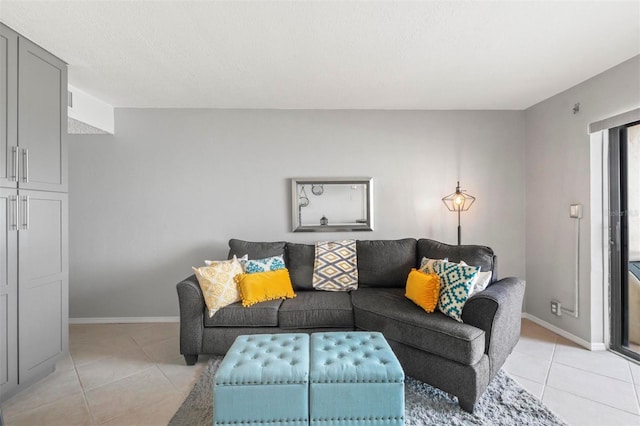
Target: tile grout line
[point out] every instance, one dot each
(595, 402)
(582, 396)
(546, 378)
(120, 378)
(84, 395)
(593, 372)
(140, 406)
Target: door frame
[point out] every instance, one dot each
(619, 241)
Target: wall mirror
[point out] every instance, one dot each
(331, 204)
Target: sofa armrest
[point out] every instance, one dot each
(191, 316)
(498, 311)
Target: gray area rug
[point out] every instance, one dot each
(504, 403)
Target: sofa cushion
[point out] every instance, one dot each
(385, 263)
(388, 311)
(313, 309)
(300, 261)
(255, 250)
(473, 255)
(264, 314)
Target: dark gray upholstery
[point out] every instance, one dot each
(300, 260)
(191, 316)
(467, 382)
(473, 255)
(313, 309)
(385, 263)
(387, 310)
(255, 250)
(497, 310)
(459, 358)
(264, 314)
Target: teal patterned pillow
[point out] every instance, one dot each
(253, 266)
(456, 286)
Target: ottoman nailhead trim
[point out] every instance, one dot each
(241, 422)
(284, 382)
(357, 381)
(333, 419)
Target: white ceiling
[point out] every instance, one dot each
(321, 54)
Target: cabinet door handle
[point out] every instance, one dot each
(14, 152)
(14, 219)
(26, 213)
(25, 160)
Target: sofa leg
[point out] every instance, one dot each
(467, 405)
(191, 359)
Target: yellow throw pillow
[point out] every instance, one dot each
(217, 283)
(263, 286)
(423, 289)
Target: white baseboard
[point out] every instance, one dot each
(122, 320)
(597, 346)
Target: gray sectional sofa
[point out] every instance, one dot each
(459, 358)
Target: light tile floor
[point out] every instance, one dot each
(116, 374)
(133, 374)
(580, 386)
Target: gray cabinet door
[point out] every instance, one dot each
(42, 112)
(8, 107)
(43, 282)
(8, 292)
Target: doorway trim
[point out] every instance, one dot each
(600, 273)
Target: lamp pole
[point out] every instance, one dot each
(459, 228)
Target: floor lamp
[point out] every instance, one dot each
(459, 201)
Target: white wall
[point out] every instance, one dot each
(558, 174)
(172, 186)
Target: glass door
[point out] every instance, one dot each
(624, 208)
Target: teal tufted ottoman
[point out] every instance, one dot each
(354, 379)
(263, 380)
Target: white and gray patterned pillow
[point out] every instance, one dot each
(482, 281)
(211, 262)
(336, 266)
(426, 264)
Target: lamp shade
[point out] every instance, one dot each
(459, 201)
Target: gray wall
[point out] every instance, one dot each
(558, 174)
(173, 185)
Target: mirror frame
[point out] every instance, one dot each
(296, 226)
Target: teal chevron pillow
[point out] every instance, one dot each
(267, 264)
(456, 285)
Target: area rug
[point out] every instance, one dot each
(504, 402)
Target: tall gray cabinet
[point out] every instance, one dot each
(34, 268)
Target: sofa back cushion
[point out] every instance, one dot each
(472, 255)
(385, 263)
(255, 250)
(300, 261)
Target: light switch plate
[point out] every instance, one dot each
(575, 211)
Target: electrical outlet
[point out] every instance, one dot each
(556, 308)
